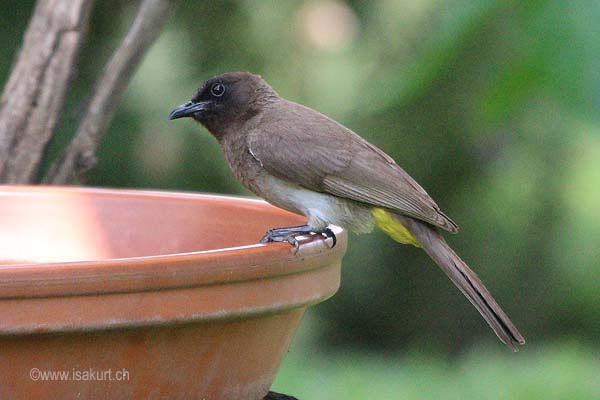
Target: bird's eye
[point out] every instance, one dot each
(217, 90)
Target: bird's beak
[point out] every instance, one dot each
(188, 109)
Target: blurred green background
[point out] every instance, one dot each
(493, 106)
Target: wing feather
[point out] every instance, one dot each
(338, 162)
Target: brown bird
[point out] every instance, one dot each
(302, 161)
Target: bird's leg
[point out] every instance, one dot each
(289, 234)
(290, 230)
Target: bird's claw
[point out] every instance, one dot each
(328, 233)
(294, 242)
(268, 237)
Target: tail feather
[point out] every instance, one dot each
(464, 278)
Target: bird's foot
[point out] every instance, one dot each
(289, 235)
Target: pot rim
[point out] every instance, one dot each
(164, 271)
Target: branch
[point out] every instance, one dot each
(79, 156)
(34, 94)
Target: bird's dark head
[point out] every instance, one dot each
(226, 100)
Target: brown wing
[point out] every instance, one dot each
(339, 162)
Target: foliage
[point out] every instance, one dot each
(555, 371)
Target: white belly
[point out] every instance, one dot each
(321, 209)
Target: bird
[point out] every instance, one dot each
(302, 161)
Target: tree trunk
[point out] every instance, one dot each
(80, 155)
(34, 94)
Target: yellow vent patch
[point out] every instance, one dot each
(393, 228)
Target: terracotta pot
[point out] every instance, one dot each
(115, 294)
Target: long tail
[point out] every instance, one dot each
(461, 275)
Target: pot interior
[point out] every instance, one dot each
(64, 224)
